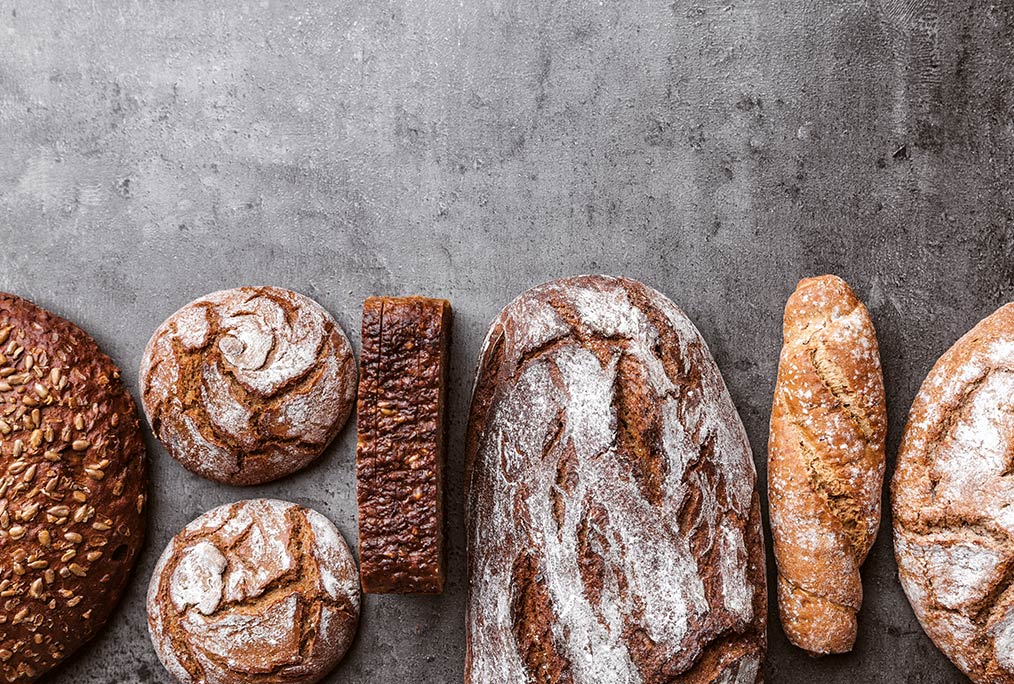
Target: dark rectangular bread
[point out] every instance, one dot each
(400, 453)
(613, 520)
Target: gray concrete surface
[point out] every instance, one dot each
(153, 151)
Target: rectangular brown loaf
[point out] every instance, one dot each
(400, 452)
(613, 521)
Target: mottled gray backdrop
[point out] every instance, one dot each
(153, 151)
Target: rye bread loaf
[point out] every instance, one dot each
(825, 462)
(614, 529)
(953, 499)
(72, 489)
(247, 385)
(400, 450)
(254, 592)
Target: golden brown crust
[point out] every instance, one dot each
(248, 385)
(400, 459)
(72, 491)
(952, 498)
(825, 462)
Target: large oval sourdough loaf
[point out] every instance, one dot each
(614, 526)
(953, 498)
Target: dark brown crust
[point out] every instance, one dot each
(66, 561)
(400, 454)
(715, 645)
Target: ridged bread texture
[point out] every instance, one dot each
(953, 498)
(613, 524)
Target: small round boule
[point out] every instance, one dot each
(248, 385)
(72, 489)
(259, 591)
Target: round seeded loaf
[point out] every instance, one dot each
(247, 385)
(259, 591)
(953, 498)
(72, 488)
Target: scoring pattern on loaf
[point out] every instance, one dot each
(246, 385)
(259, 591)
(614, 530)
(953, 499)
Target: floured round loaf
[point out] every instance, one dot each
(72, 489)
(247, 385)
(614, 529)
(259, 592)
(953, 498)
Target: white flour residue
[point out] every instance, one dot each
(197, 580)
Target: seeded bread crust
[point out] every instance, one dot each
(952, 497)
(248, 385)
(72, 490)
(825, 462)
(400, 454)
(256, 592)
(613, 523)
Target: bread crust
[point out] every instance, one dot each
(72, 489)
(952, 496)
(255, 592)
(400, 450)
(613, 523)
(825, 462)
(247, 385)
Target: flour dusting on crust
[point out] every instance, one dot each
(609, 481)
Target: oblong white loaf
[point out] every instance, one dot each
(614, 527)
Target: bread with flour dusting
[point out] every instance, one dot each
(825, 462)
(953, 499)
(613, 523)
(247, 385)
(259, 592)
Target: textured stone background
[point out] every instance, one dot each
(153, 151)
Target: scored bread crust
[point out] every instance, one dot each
(255, 592)
(248, 385)
(613, 522)
(72, 488)
(953, 497)
(825, 462)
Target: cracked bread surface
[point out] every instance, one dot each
(613, 523)
(248, 385)
(825, 462)
(400, 449)
(953, 497)
(256, 592)
(72, 489)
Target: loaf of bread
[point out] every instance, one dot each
(953, 498)
(825, 462)
(72, 489)
(613, 523)
(247, 385)
(400, 455)
(255, 592)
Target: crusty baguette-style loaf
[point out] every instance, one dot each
(72, 489)
(953, 499)
(825, 462)
(400, 452)
(613, 523)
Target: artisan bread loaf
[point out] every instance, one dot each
(247, 385)
(258, 592)
(400, 451)
(613, 524)
(72, 489)
(825, 462)
(953, 498)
